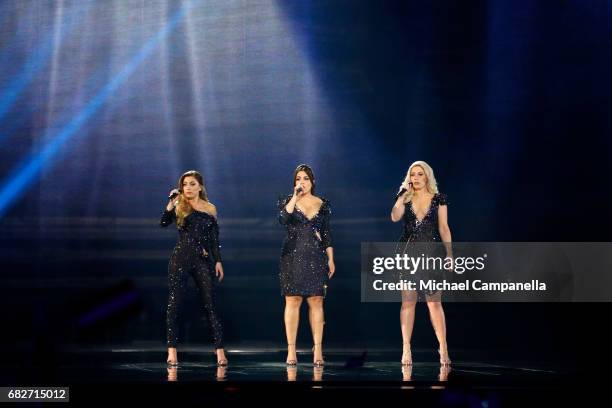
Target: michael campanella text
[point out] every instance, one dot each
(477, 284)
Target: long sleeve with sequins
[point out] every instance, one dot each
(284, 217)
(326, 236)
(215, 247)
(304, 268)
(167, 218)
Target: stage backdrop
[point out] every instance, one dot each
(103, 104)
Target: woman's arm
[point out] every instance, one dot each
(168, 216)
(286, 209)
(215, 245)
(330, 261)
(397, 212)
(444, 229)
(326, 239)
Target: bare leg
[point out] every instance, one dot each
(172, 357)
(407, 313)
(438, 321)
(172, 373)
(292, 319)
(221, 359)
(317, 320)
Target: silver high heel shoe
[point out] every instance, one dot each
(444, 358)
(222, 362)
(172, 363)
(291, 363)
(406, 361)
(318, 363)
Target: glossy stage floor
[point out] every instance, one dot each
(139, 373)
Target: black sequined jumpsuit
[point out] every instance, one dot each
(195, 254)
(303, 264)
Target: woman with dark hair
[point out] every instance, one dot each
(307, 259)
(197, 254)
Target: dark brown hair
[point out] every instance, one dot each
(306, 169)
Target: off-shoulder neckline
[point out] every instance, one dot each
(204, 212)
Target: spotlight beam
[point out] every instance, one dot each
(37, 60)
(25, 173)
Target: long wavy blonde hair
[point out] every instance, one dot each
(183, 208)
(432, 185)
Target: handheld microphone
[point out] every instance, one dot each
(402, 191)
(299, 189)
(173, 195)
(398, 195)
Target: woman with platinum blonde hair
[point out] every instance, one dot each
(425, 215)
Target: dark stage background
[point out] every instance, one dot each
(103, 104)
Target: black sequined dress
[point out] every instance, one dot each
(424, 230)
(303, 263)
(195, 255)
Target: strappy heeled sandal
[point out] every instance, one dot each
(222, 362)
(172, 363)
(406, 361)
(444, 358)
(291, 363)
(317, 363)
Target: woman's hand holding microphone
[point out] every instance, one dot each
(298, 191)
(173, 199)
(404, 188)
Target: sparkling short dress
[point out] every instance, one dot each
(424, 230)
(303, 262)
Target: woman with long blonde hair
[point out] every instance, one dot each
(197, 253)
(424, 212)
